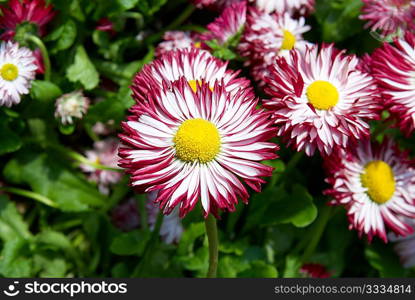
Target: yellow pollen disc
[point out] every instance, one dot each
(9, 72)
(195, 83)
(288, 41)
(197, 45)
(379, 180)
(322, 94)
(197, 140)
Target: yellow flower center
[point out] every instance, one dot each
(379, 180)
(288, 41)
(197, 140)
(9, 72)
(197, 45)
(322, 94)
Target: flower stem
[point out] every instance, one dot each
(46, 60)
(29, 194)
(187, 12)
(212, 235)
(317, 232)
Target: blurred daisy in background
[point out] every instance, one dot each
(320, 100)
(176, 40)
(376, 184)
(292, 7)
(405, 246)
(17, 71)
(71, 106)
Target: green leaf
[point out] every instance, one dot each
(130, 243)
(149, 7)
(10, 142)
(64, 36)
(44, 90)
(194, 231)
(383, 258)
(11, 222)
(48, 174)
(260, 269)
(82, 70)
(15, 259)
(127, 4)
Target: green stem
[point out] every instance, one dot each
(141, 204)
(212, 235)
(187, 12)
(317, 232)
(46, 60)
(29, 194)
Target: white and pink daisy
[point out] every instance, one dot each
(389, 16)
(320, 99)
(192, 145)
(105, 153)
(17, 71)
(268, 36)
(193, 64)
(292, 7)
(405, 246)
(394, 70)
(228, 25)
(71, 106)
(176, 40)
(376, 184)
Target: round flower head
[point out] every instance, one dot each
(17, 70)
(376, 184)
(228, 25)
(320, 99)
(394, 70)
(405, 246)
(197, 144)
(193, 64)
(312, 270)
(176, 40)
(71, 106)
(268, 36)
(389, 16)
(292, 7)
(25, 11)
(105, 153)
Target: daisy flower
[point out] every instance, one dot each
(320, 99)
(312, 270)
(394, 70)
(17, 70)
(71, 106)
(292, 7)
(268, 36)
(190, 145)
(105, 153)
(388, 16)
(376, 184)
(405, 246)
(193, 64)
(18, 12)
(228, 25)
(176, 40)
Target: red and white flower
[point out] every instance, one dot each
(176, 40)
(268, 36)
(292, 7)
(320, 99)
(192, 145)
(17, 71)
(394, 70)
(228, 25)
(21, 11)
(105, 152)
(193, 64)
(376, 184)
(389, 16)
(405, 246)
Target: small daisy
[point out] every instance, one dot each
(104, 153)
(193, 64)
(35, 12)
(394, 70)
(71, 106)
(376, 184)
(388, 16)
(292, 7)
(17, 70)
(312, 270)
(228, 25)
(192, 146)
(405, 246)
(320, 99)
(268, 36)
(176, 40)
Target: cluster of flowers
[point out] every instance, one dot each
(195, 132)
